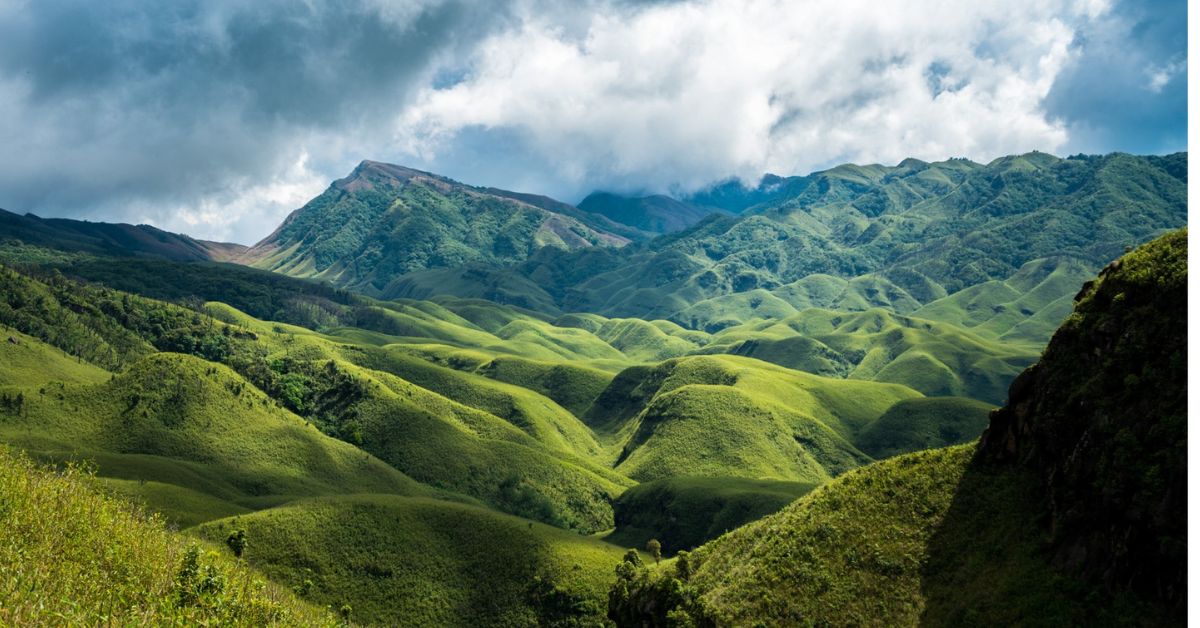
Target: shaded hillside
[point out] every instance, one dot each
(424, 562)
(654, 214)
(728, 416)
(1070, 511)
(685, 511)
(1102, 421)
(383, 221)
(112, 239)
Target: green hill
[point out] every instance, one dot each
(926, 423)
(684, 512)
(112, 239)
(384, 220)
(73, 556)
(917, 232)
(653, 214)
(413, 561)
(1070, 510)
(731, 416)
(196, 437)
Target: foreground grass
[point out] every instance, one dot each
(935, 538)
(71, 556)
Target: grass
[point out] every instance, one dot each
(70, 555)
(928, 423)
(179, 420)
(414, 561)
(939, 538)
(733, 416)
(26, 362)
(684, 512)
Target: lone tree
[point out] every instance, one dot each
(237, 542)
(655, 549)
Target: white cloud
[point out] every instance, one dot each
(680, 95)
(1160, 76)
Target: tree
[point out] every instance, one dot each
(237, 542)
(655, 549)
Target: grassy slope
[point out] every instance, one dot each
(26, 362)
(684, 512)
(181, 421)
(927, 423)
(933, 357)
(69, 555)
(412, 561)
(725, 415)
(933, 538)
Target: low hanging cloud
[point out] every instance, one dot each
(217, 117)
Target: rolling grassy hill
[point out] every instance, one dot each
(196, 437)
(72, 555)
(1069, 511)
(684, 512)
(416, 561)
(731, 416)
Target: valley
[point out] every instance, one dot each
(423, 402)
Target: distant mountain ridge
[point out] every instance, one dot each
(112, 238)
(912, 234)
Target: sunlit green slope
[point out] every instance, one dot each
(73, 556)
(414, 561)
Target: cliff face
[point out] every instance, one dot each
(1102, 418)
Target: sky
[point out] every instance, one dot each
(217, 118)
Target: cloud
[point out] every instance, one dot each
(1126, 87)
(680, 95)
(130, 110)
(218, 117)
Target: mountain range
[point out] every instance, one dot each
(421, 402)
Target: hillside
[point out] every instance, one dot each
(71, 555)
(412, 561)
(919, 231)
(653, 214)
(729, 416)
(112, 239)
(1021, 528)
(382, 221)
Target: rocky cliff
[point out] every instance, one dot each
(1102, 419)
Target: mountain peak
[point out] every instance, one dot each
(370, 173)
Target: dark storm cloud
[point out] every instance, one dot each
(145, 103)
(1127, 89)
(217, 117)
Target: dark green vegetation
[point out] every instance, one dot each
(653, 214)
(413, 561)
(482, 456)
(73, 556)
(684, 512)
(1070, 511)
(110, 239)
(1102, 421)
(383, 221)
(898, 237)
(925, 423)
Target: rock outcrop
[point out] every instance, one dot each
(1102, 418)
